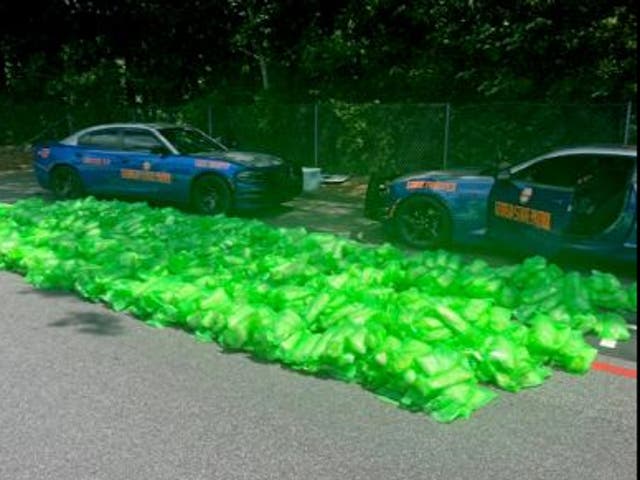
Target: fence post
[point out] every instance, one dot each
(210, 120)
(315, 134)
(627, 124)
(445, 151)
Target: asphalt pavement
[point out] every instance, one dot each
(88, 393)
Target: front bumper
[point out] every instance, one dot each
(377, 200)
(42, 175)
(268, 187)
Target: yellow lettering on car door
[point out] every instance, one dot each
(432, 185)
(145, 176)
(517, 213)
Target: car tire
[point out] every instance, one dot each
(210, 195)
(66, 184)
(423, 222)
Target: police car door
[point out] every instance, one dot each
(530, 204)
(140, 171)
(96, 155)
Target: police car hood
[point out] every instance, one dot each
(247, 159)
(450, 174)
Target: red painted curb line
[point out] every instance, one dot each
(614, 369)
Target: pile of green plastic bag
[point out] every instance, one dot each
(428, 332)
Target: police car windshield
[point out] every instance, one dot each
(188, 141)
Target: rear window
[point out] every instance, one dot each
(140, 140)
(107, 138)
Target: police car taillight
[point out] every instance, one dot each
(44, 152)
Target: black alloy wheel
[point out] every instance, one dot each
(211, 196)
(423, 222)
(66, 184)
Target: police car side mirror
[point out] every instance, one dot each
(503, 175)
(159, 150)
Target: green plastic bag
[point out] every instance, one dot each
(422, 331)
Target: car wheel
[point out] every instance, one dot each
(66, 183)
(211, 196)
(423, 222)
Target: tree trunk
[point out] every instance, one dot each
(264, 72)
(3, 70)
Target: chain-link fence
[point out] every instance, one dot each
(513, 132)
(359, 138)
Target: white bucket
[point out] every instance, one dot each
(311, 178)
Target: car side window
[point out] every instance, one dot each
(138, 140)
(557, 171)
(106, 138)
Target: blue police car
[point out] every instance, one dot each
(580, 199)
(163, 162)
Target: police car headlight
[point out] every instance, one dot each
(250, 176)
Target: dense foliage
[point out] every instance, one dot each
(146, 51)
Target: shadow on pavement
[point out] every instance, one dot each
(91, 323)
(48, 293)
(85, 322)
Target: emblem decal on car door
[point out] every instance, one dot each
(525, 195)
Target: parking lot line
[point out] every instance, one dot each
(614, 369)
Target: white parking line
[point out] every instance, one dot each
(608, 343)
